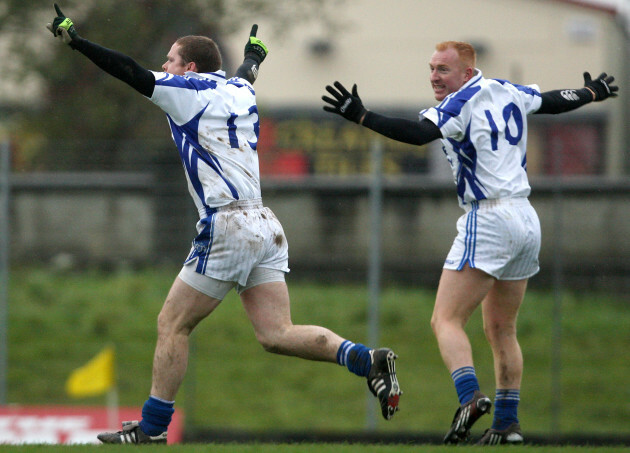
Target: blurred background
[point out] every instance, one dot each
(90, 180)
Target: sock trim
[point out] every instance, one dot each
(465, 380)
(463, 371)
(171, 403)
(343, 351)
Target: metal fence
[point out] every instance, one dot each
(4, 264)
(389, 228)
(584, 223)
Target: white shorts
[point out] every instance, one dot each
(500, 237)
(235, 239)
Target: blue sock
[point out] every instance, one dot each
(505, 408)
(156, 416)
(356, 357)
(466, 383)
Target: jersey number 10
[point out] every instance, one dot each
(509, 111)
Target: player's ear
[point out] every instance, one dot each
(192, 66)
(469, 73)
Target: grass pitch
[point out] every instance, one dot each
(58, 321)
(300, 448)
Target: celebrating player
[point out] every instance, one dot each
(240, 243)
(482, 124)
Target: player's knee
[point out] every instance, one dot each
(163, 323)
(437, 323)
(168, 325)
(446, 325)
(273, 340)
(497, 332)
(270, 344)
(434, 324)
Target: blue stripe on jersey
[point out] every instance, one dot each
(235, 81)
(452, 106)
(189, 134)
(523, 88)
(190, 160)
(471, 238)
(466, 173)
(190, 83)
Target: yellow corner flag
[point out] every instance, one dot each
(95, 377)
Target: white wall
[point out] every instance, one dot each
(384, 46)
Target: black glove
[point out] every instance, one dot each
(62, 27)
(601, 86)
(255, 48)
(345, 104)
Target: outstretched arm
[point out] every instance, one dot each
(118, 65)
(115, 63)
(255, 53)
(349, 106)
(560, 101)
(403, 130)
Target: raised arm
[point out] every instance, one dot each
(560, 101)
(115, 63)
(349, 106)
(255, 53)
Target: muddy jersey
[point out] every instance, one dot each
(214, 123)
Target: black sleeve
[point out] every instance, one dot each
(560, 101)
(118, 65)
(248, 70)
(402, 130)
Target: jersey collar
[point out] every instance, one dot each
(205, 75)
(477, 75)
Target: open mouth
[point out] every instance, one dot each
(439, 89)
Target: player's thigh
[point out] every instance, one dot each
(184, 307)
(460, 293)
(500, 307)
(268, 307)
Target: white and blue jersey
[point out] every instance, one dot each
(214, 123)
(484, 126)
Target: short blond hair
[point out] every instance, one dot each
(466, 51)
